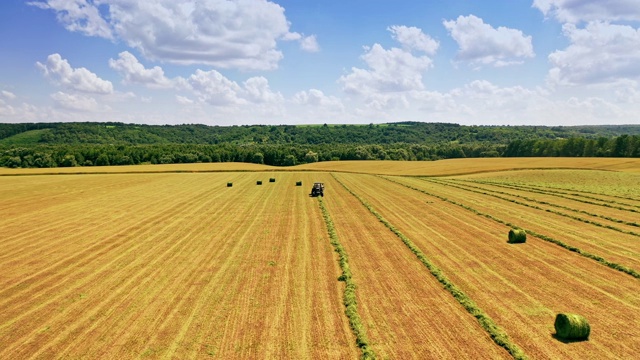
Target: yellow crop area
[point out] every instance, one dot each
(398, 260)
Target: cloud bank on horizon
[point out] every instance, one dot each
(231, 62)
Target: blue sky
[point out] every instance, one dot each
(223, 62)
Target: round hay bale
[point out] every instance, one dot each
(298, 183)
(272, 179)
(259, 182)
(572, 327)
(517, 236)
(229, 184)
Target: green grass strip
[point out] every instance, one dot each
(590, 222)
(349, 299)
(574, 249)
(498, 335)
(612, 219)
(573, 192)
(559, 194)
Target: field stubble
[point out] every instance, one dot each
(519, 286)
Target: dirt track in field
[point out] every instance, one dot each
(521, 287)
(171, 266)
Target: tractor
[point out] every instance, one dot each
(317, 189)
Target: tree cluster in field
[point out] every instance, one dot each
(101, 144)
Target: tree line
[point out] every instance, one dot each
(91, 144)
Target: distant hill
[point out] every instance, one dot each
(99, 144)
(392, 133)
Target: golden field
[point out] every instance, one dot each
(166, 261)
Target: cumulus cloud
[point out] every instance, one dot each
(574, 11)
(309, 44)
(600, 53)
(78, 15)
(414, 39)
(257, 90)
(59, 71)
(392, 70)
(182, 100)
(76, 102)
(215, 89)
(135, 73)
(239, 34)
(317, 98)
(481, 44)
(8, 94)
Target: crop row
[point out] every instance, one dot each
(586, 221)
(350, 302)
(612, 219)
(574, 249)
(560, 194)
(574, 192)
(497, 334)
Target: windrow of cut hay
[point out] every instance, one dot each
(586, 221)
(542, 202)
(565, 195)
(497, 334)
(574, 249)
(350, 302)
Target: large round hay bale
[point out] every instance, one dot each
(272, 179)
(298, 183)
(572, 327)
(259, 182)
(517, 236)
(229, 184)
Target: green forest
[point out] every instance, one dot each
(100, 144)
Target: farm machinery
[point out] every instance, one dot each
(317, 189)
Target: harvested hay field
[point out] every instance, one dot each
(167, 262)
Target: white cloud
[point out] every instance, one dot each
(574, 11)
(414, 39)
(182, 100)
(76, 102)
(600, 53)
(257, 90)
(214, 88)
(317, 98)
(135, 73)
(309, 44)
(392, 70)
(78, 15)
(8, 94)
(238, 34)
(481, 44)
(58, 70)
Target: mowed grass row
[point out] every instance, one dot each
(570, 195)
(622, 249)
(205, 271)
(622, 221)
(513, 227)
(521, 286)
(611, 185)
(497, 334)
(404, 310)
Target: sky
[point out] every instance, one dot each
(246, 62)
